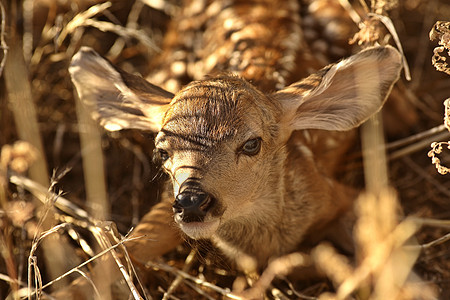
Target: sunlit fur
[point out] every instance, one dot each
(206, 125)
(275, 201)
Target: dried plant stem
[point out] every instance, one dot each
(85, 19)
(3, 44)
(28, 8)
(364, 5)
(32, 261)
(103, 235)
(167, 268)
(77, 268)
(369, 265)
(133, 17)
(122, 31)
(416, 137)
(188, 263)
(443, 239)
(82, 216)
(6, 250)
(374, 156)
(351, 11)
(88, 279)
(7, 278)
(432, 222)
(79, 19)
(21, 102)
(93, 165)
(436, 242)
(132, 270)
(421, 144)
(300, 295)
(41, 193)
(280, 266)
(198, 290)
(419, 171)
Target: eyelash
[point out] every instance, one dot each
(253, 147)
(160, 156)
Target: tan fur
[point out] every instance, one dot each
(273, 202)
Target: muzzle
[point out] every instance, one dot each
(192, 203)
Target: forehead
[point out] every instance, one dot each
(209, 111)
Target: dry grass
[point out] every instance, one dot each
(401, 236)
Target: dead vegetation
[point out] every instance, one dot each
(52, 232)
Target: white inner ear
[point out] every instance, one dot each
(110, 101)
(347, 95)
(367, 83)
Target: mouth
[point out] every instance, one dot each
(197, 213)
(198, 230)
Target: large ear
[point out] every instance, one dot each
(343, 95)
(116, 99)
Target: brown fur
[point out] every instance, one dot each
(256, 39)
(267, 204)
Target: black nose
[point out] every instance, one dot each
(192, 203)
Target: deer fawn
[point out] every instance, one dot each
(242, 174)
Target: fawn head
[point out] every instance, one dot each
(221, 140)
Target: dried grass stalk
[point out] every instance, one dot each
(374, 155)
(109, 268)
(22, 105)
(21, 102)
(93, 164)
(85, 19)
(385, 256)
(3, 45)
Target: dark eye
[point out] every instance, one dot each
(251, 147)
(160, 155)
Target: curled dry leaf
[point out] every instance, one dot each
(441, 32)
(438, 147)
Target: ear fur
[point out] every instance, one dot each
(343, 95)
(117, 100)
